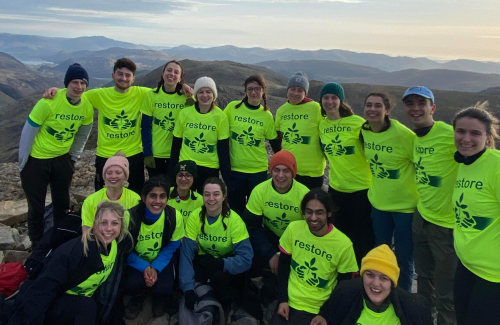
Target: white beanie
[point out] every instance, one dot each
(205, 82)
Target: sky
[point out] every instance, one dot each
(436, 29)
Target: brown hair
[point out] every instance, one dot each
(387, 106)
(178, 87)
(344, 109)
(480, 112)
(226, 211)
(125, 63)
(260, 80)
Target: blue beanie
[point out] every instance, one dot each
(299, 79)
(76, 71)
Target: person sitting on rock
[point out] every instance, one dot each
(374, 298)
(79, 279)
(315, 257)
(216, 248)
(273, 204)
(115, 174)
(51, 141)
(183, 196)
(157, 230)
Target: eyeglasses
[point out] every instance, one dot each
(186, 176)
(256, 89)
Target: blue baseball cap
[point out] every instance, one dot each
(421, 91)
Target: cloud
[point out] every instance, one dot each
(490, 36)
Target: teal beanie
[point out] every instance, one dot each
(333, 88)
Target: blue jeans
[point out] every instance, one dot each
(388, 224)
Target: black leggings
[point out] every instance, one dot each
(309, 181)
(203, 174)
(69, 309)
(135, 285)
(477, 301)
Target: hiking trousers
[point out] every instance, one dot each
(36, 175)
(242, 185)
(435, 264)
(136, 169)
(69, 309)
(135, 284)
(309, 181)
(161, 167)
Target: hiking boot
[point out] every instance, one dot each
(134, 307)
(158, 306)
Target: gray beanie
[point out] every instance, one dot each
(205, 82)
(299, 79)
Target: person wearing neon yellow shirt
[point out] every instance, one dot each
(157, 232)
(183, 196)
(349, 173)
(250, 125)
(80, 278)
(315, 256)
(434, 218)
(160, 110)
(476, 202)
(119, 121)
(216, 248)
(375, 298)
(393, 191)
(201, 134)
(52, 140)
(297, 124)
(116, 173)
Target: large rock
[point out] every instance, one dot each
(12, 212)
(6, 239)
(16, 256)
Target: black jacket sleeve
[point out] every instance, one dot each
(283, 275)
(275, 144)
(174, 157)
(224, 160)
(260, 244)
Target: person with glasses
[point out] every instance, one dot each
(250, 125)
(183, 196)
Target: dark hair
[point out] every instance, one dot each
(344, 109)
(260, 80)
(226, 211)
(480, 113)
(174, 193)
(321, 196)
(387, 106)
(150, 184)
(125, 63)
(178, 87)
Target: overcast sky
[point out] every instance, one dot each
(438, 29)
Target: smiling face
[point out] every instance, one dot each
(184, 180)
(123, 78)
(109, 227)
(420, 110)
(156, 200)
(213, 198)
(330, 103)
(254, 93)
(172, 75)
(375, 109)
(295, 95)
(317, 217)
(377, 286)
(205, 96)
(114, 177)
(75, 88)
(282, 178)
(470, 136)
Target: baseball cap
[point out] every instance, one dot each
(421, 91)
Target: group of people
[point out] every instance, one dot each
(431, 193)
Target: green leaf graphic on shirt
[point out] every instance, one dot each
(307, 273)
(167, 123)
(463, 217)
(199, 144)
(292, 136)
(247, 138)
(86, 291)
(120, 122)
(281, 222)
(213, 251)
(62, 136)
(335, 148)
(150, 251)
(424, 178)
(378, 170)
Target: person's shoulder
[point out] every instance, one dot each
(263, 186)
(297, 224)
(300, 187)
(98, 194)
(341, 237)
(131, 194)
(402, 129)
(355, 119)
(232, 105)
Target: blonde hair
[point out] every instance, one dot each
(480, 112)
(91, 234)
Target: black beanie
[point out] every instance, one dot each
(76, 71)
(188, 166)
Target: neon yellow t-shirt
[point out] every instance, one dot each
(316, 263)
(390, 155)
(164, 109)
(129, 199)
(436, 171)
(185, 207)
(150, 237)
(89, 286)
(476, 201)
(216, 241)
(119, 122)
(277, 210)
(369, 317)
(200, 133)
(349, 169)
(298, 125)
(59, 122)
(249, 129)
